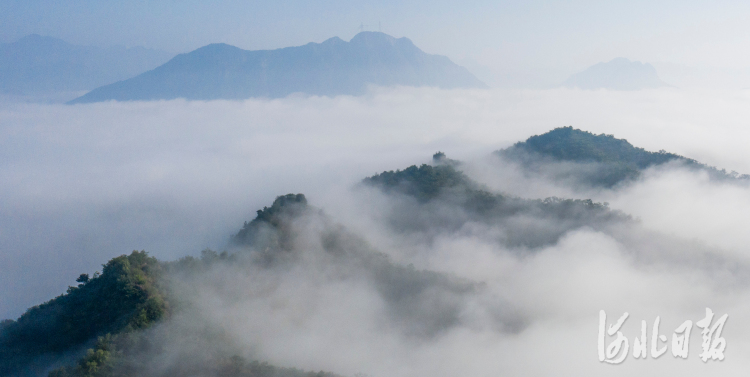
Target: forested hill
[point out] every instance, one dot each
(440, 199)
(99, 328)
(425, 182)
(333, 67)
(603, 160)
(122, 322)
(123, 299)
(135, 318)
(277, 216)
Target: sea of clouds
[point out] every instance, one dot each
(84, 183)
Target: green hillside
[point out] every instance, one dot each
(445, 199)
(603, 160)
(118, 323)
(126, 297)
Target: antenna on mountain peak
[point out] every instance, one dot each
(379, 28)
(361, 27)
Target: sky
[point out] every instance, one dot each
(519, 43)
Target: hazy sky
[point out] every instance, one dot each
(534, 43)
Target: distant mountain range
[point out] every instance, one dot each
(617, 74)
(36, 64)
(333, 67)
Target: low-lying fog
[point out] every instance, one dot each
(82, 184)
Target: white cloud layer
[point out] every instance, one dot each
(84, 183)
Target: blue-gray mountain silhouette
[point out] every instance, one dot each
(617, 74)
(36, 64)
(333, 67)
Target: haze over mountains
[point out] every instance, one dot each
(361, 215)
(617, 74)
(333, 67)
(37, 64)
(145, 317)
(40, 65)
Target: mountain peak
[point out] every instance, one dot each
(372, 36)
(617, 74)
(376, 39)
(334, 67)
(331, 41)
(603, 160)
(215, 49)
(621, 60)
(36, 39)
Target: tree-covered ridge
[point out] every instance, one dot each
(270, 240)
(447, 199)
(135, 353)
(103, 327)
(609, 160)
(272, 218)
(143, 352)
(569, 144)
(234, 366)
(427, 182)
(424, 182)
(123, 298)
(103, 322)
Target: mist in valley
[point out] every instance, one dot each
(373, 281)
